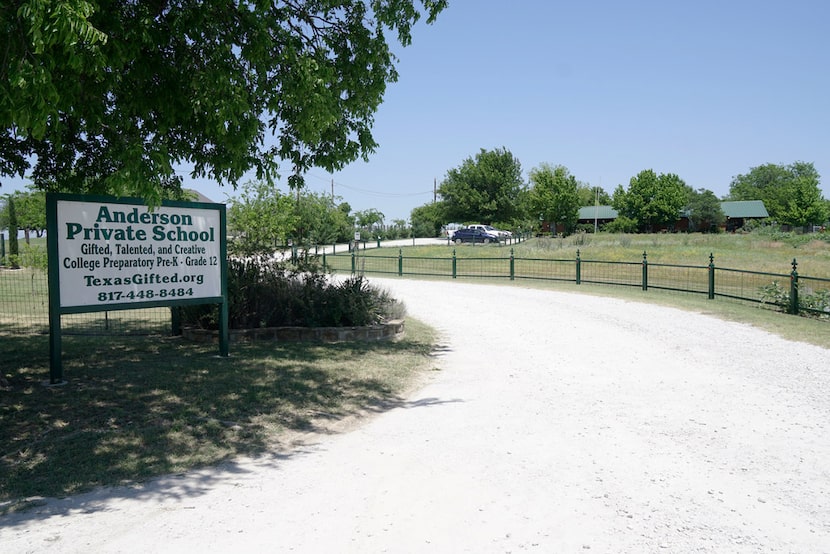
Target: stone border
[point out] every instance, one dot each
(391, 330)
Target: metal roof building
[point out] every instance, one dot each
(744, 209)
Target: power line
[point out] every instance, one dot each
(370, 192)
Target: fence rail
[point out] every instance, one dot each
(791, 292)
(24, 309)
(24, 302)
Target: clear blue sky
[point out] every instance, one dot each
(705, 89)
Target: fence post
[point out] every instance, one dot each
(711, 276)
(578, 268)
(794, 289)
(645, 271)
(512, 266)
(454, 264)
(175, 321)
(324, 260)
(400, 262)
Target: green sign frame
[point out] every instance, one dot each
(111, 253)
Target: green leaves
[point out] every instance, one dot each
(485, 189)
(554, 196)
(652, 200)
(790, 193)
(110, 96)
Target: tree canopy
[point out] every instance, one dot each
(484, 189)
(705, 213)
(261, 219)
(790, 193)
(651, 200)
(554, 196)
(108, 96)
(591, 195)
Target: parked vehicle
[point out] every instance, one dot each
(450, 228)
(474, 236)
(490, 229)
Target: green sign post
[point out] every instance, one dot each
(109, 253)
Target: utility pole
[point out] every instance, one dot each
(434, 190)
(332, 188)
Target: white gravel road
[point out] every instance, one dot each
(558, 423)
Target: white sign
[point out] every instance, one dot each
(113, 253)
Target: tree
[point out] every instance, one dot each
(652, 200)
(554, 196)
(321, 220)
(427, 220)
(589, 196)
(109, 96)
(369, 220)
(31, 212)
(790, 193)
(485, 189)
(705, 213)
(260, 219)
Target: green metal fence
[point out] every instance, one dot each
(788, 291)
(24, 298)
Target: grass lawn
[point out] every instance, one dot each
(138, 407)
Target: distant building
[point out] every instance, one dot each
(600, 214)
(737, 214)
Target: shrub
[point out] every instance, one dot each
(811, 302)
(622, 224)
(34, 256)
(775, 294)
(267, 293)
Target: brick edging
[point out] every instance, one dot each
(391, 330)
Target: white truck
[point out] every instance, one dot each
(492, 230)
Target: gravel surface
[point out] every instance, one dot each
(557, 423)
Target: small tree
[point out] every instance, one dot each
(31, 212)
(554, 197)
(705, 213)
(259, 219)
(652, 200)
(369, 220)
(427, 220)
(321, 221)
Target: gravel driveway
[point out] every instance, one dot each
(558, 423)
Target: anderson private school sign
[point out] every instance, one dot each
(115, 254)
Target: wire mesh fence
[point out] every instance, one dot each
(24, 309)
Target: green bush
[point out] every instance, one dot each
(622, 224)
(34, 256)
(267, 293)
(810, 302)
